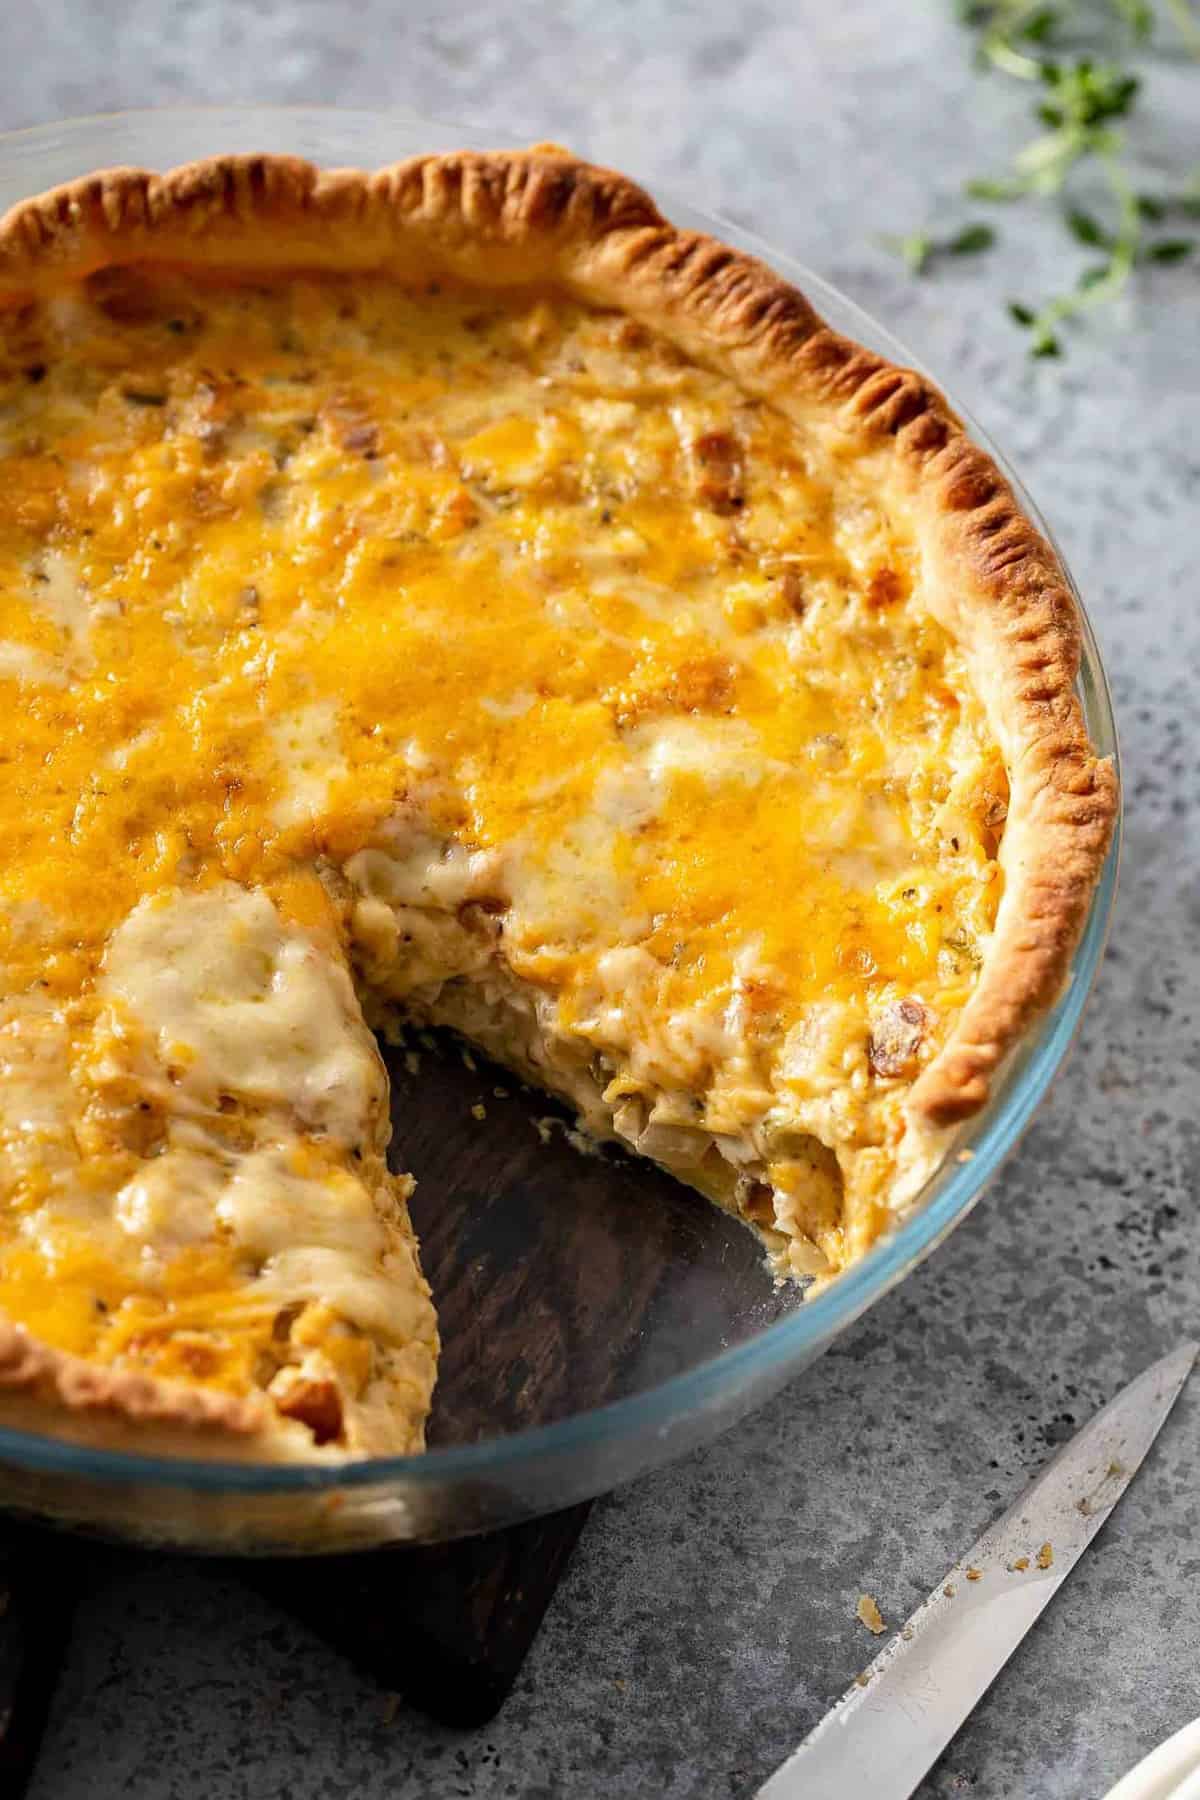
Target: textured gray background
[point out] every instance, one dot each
(708, 1618)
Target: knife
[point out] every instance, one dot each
(893, 1724)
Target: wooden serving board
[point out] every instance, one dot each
(447, 1626)
(38, 1583)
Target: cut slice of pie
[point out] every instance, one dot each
(455, 595)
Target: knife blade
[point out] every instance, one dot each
(892, 1725)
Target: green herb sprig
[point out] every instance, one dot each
(918, 250)
(1082, 108)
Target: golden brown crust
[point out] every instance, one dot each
(535, 216)
(70, 1385)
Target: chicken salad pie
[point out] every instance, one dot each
(453, 595)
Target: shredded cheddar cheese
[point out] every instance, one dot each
(482, 660)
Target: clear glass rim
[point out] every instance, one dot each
(204, 110)
(783, 1345)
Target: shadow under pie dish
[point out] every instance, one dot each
(454, 595)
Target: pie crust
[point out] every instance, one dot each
(541, 219)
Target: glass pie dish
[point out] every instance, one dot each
(597, 1318)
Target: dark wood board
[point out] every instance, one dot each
(38, 1583)
(448, 1626)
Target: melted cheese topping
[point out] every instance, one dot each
(491, 649)
(235, 1004)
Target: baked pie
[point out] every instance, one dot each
(455, 595)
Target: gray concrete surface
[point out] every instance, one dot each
(708, 1618)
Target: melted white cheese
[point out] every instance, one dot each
(21, 662)
(424, 871)
(34, 1075)
(269, 1206)
(715, 749)
(57, 591)
(309, 746)
(170, 1201)
(321, 1237)
(388, 1303)
(237, 1001)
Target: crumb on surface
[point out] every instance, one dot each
(479, 1110)
(468, 1059)
(949, 1590)
(869, 1614)
(580, 1140)
(965, 1156)
(974, 1574)
(1045, 1556)
(1019, 1566)
(501, 1093)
